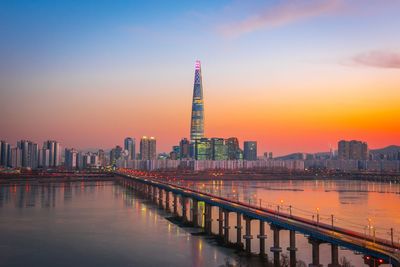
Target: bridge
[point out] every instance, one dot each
(376, 251)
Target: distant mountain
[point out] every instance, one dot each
(386, 150)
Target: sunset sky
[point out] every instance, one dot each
(295, 75)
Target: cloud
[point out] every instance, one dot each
(378, 59)
(288, 11)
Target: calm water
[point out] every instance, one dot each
(103, 224)
(93, 224)
(354, 204)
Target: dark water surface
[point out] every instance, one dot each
(93, 224)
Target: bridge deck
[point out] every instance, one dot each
(342, 237)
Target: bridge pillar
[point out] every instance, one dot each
(195, 211)
(248, 237)
(239, 230)
(276, 249)
(160, 198)
(154, 194)
(148, 191)
(167, 201)
(262, 238)
(315, 252)
(226, 227)
(184, 215)
(292, 248)
(175, 204)
(208, 219)
(334, 256)
(220, 222)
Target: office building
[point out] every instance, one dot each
(148, 148)
(218, 149)
(130, 146)
(184, 148)
(202, 149)
(355, 150)
(197, 119)
(250, 150)
(233, 150)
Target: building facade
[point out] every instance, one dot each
(197, 119)
(148, 148)
(250, 150)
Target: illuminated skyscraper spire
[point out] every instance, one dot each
(197, 122)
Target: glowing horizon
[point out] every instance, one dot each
(296, 76)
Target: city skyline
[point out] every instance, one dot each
(87, 80)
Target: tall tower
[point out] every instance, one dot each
(197, 122)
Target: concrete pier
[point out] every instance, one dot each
(175, 204)
(334, 256)
(184, 209)
(239, 229)
(160, 198)
(248, 237)
(226, 227)
(220, 222)
(292, 248)
(195, 213)
(315, 252)
(262, 238)
(208, 219)
(276, 249)
(167, 201)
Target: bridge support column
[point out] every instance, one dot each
(315, 252)
(184, 214)
(195, 211)
(239, 230)
(292, 248)
(175, 204)
(154, 194)
(220, 222)
(226, 227)
(167, 201)
(208, 219)
(262, 238)
(148, 191)
(248, 237)
(160, 198)
(334, 256)
(276, 249)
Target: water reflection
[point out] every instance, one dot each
(93, 224)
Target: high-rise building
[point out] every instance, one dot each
(197, 121)
(130, 146)
(184, 148)
(353, 149)
(233, 149)
(44, 158)
(202, 149)
(71, 156)
(250, 150)
(16, 157)
(115, 154)
(5, 154)
(218, 149)
(102, 157)
(54, 152)
(29, 154)
(148, 149)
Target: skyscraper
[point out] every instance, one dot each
(232, 144)
(129, 144)
(202, 149)
(197, 121)
(54, 152)
(250, 150)
(184, 149)
(353, 149)
(4, 154)
(218, 149)
(148, 148)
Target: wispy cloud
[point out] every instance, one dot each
(378, 59)
(286, 12)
